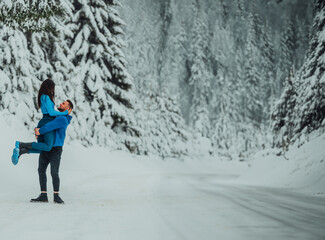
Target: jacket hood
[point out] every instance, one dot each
(69, 118)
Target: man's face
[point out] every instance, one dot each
(64, 106)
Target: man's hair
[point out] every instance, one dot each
(70, 104)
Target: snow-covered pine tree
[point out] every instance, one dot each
(301, 110)
(29, 16)
(5, 83)
(200, 79)
(17, 81)
(50, 50)
(303, 33)
(177, 71)
(58, 49)
(268, 70)
(224, 13)
(239, 25)
(96, 51)
(164, 44)
(224, 108)
(283, 112)
(240, 81)
(286, 53)
(240, 37)
(253, 98)
(163, 129)
(142, 45)
(240, 10)
(226, 120)
(309, 112)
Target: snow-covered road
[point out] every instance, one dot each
(265, 213)
(119, 196)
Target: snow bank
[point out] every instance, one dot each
(302, 167)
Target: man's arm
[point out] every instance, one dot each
(57, 123)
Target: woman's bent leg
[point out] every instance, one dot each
(47, 145)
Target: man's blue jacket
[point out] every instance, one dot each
(59, 124)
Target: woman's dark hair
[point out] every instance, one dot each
(47, 88)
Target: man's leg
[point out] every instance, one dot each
(43, 162)
(55, 159)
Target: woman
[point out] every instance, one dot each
(44, 142)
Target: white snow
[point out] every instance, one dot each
(116, 195)
(301, 168)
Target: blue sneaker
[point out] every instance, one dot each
(15, 154)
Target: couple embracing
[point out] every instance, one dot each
(50, 134)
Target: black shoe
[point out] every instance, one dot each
(57, 199)
(41, 198)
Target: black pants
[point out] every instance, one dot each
(53, 158)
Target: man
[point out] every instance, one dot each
(53, 157)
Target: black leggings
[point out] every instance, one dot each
(53, 158)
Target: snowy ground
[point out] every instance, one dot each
(115, 195)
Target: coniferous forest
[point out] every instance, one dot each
(172, 77)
